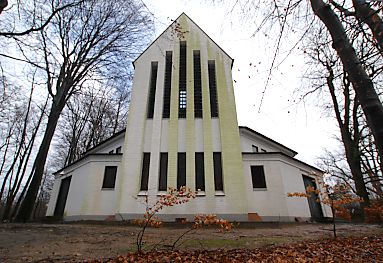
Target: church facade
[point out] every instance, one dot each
(182, 130)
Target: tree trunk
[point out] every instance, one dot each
(27, 205)
(365, 14)
(362, 84)
(350, 144)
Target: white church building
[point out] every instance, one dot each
(182, 130)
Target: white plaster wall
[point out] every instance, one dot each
(282, 177)
(53, 197)
(198, 135)
(165, 135)
(181, 135)
(216, 135)
(148, 135)
(86, 196)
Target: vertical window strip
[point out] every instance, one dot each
(199, 172)
(167, 84)
(145, 172)
(197, 84)
(212, 89)
(217, 164)
(163, 178)
(152, 89)
(181, 170)
(182, 81)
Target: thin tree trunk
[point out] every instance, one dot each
(362, 84)
(27, 205)
(351, 145)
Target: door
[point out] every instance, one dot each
(63, 194)
(315, 207)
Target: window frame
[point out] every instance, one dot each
(218, 172)
(199, 172)
(145, 171)
(106, 181)
(258, 175)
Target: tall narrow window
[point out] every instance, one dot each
(152, 89)
(217, 162)
(199, 172)
(182, 81)
(258, 176)
(163, 172)
(167, 84)
(181, 170)
(212, 89)
(197, 84)
(145, 172)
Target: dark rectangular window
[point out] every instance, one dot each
(258, 176)
(152, 89)
(213, 89)
(181, 170)
(199, 172)
(167, 84)
(118, 149)
(197, 84)
(109, 177)
(162, 186)
(217, 162)
(145, 172)
(182, 81)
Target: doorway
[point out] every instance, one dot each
(62, 197)
(315, 207)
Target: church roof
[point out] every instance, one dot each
(183, 14)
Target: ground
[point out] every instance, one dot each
(79, 242)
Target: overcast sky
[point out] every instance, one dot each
(300, 126)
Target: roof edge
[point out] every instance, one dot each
(267, 138)
(283, 154)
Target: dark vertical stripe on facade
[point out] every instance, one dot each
(197, 84)
(182, 81)
(152, 89)
(167, 84)
(217, 162)
(145, 172)
(163, 180)
(181, 170)
(199, 172)
(213, 89)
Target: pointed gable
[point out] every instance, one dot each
(183, 29)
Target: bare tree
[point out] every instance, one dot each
(21, 121)
(89, 44)
(360, 80)
(90, 117)
(355, 136)
(345, 23)
(39, 13)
